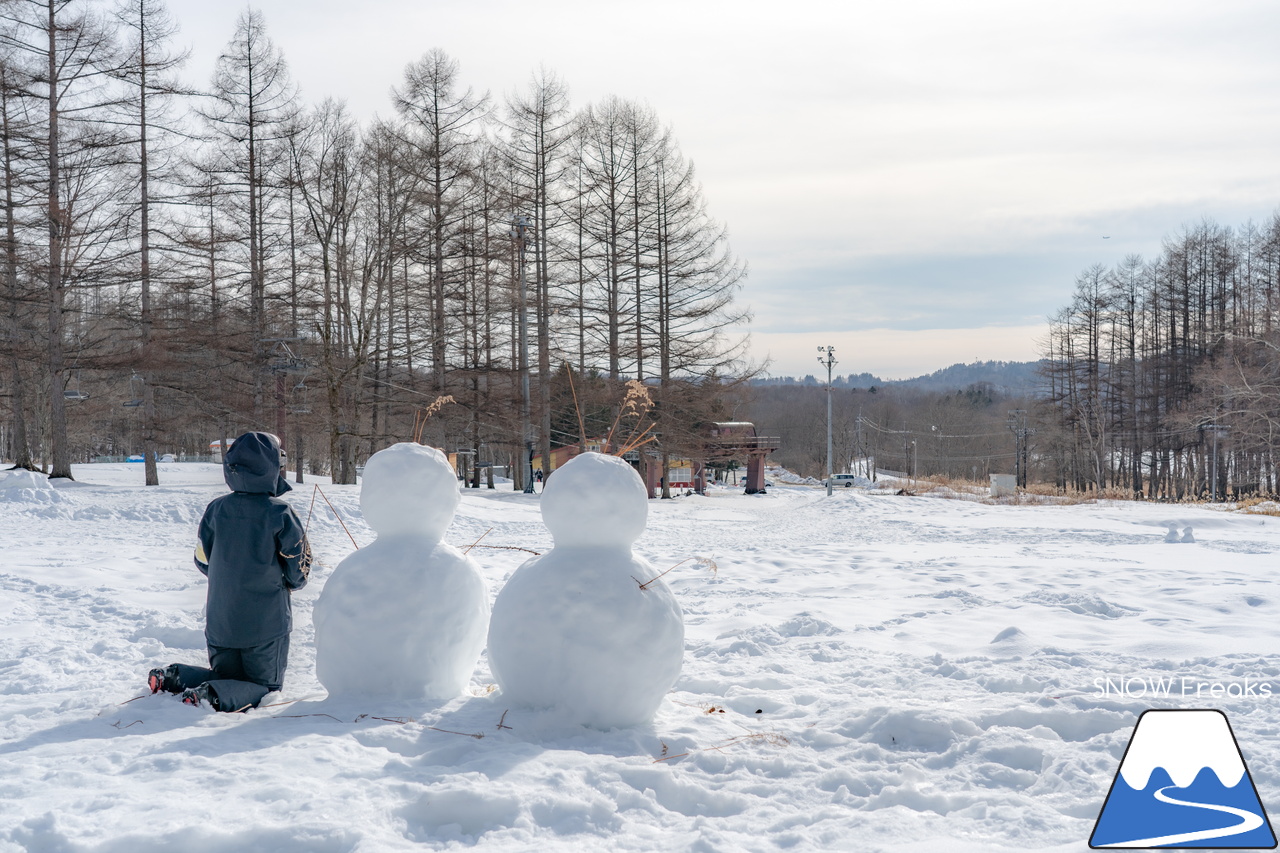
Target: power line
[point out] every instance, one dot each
(931, 433)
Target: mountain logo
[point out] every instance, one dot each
(1183, 783)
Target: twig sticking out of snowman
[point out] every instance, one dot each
(572, 629)
(406, 616)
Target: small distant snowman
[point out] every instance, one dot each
(405, 616)
(573, 629)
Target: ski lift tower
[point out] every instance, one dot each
(520, 227)
(282, 361)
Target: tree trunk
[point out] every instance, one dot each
(60, 448)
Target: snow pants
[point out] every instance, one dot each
(239, 678)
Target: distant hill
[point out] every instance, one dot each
(858, 380)
(1009, 377)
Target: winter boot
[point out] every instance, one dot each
(165, 679)
(199, 696)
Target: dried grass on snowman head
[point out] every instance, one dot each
(420, 417)
(636, 403)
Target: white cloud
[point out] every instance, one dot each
(861, 148)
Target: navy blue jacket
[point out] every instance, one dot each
(252, 548)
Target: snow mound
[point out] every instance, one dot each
(807, 625)
(1083, 603)
(782, 475)
(405, 616)
(914, 730)
(22, 486)
(585, 628)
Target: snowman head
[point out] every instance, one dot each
(409, 488)
(595, 500)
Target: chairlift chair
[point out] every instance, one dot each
(74, 395)
(300, 400)
(135, 391)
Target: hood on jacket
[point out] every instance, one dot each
(252, 464)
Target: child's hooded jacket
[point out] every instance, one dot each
(253, 549)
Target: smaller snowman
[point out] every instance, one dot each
(574, 629)
(406, 616)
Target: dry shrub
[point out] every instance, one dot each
(1041, 494)
(1114, 493)
(957, 483)
(1259, 506)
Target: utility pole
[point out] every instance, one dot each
(830, 361)
(857, 443)
(520, 225)
(1018, 426)
(1215, 430)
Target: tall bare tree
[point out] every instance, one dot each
(442, 123)
(69, 51)
(540, 127)
(146, 70)
(17, 314)
(253, 106)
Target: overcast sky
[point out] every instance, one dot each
(915, 183)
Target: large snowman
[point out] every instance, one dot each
(405, 616)
(573, 629)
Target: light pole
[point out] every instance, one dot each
(829, 359)
(520, 234)
(1215, 430)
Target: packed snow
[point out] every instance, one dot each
(406, 615)
(589, 629)
(862, 671)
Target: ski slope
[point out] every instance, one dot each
(862, 671)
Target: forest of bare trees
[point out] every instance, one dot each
(1163, 375)
(182, 264)
(1159, 380)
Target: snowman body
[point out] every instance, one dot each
(406, 616)
(574, 629)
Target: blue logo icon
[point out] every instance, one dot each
(1183, 783)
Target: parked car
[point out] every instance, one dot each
(845, 480)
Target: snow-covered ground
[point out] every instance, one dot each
(865, 671)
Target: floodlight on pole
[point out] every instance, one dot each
(829, 359)
(520, 225)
